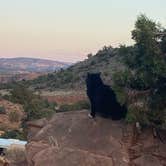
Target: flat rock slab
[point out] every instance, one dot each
(70, 157)
(72, 139)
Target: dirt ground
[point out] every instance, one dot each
(64, 97)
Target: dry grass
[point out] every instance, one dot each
(60, 93)
(4, 161)
(15, 154)
(12, 119)
(64, 97)
(14, 116)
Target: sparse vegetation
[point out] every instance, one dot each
(80, 105)
(2, 110)
(105, 60)
(15, 134)
(34, 106)
(14, 116)
(137, 74)
(15, 155)
(146, 63)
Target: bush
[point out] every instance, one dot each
(120, 94)
(14, 134)
(6, 97)
(38, 108)
(137, 114)
(122, 78)
(147, 64)
(33, 104)
(2, 110)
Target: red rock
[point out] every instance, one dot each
(72, 139)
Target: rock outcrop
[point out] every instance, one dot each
(72, 139)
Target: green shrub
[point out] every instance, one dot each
(33, 104)
(120, 94)
(2, 110)
(6, 97)
(38, 108)
(147, 65)
(136, 114)
(14, 134)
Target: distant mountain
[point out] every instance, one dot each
(28, 65)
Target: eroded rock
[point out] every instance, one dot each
(72, 139)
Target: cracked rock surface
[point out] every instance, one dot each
(72, 139)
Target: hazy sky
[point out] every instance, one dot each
(67, 30)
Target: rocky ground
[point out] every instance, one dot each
(72, 139)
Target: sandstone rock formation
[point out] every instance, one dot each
(72, 139)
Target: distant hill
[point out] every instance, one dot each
(27, 65)
(107, 61)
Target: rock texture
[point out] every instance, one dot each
(72, 139)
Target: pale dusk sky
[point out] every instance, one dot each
(67, 30)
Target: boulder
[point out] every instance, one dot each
(72, 139)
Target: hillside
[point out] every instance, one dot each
(26, 65)
(107, 61)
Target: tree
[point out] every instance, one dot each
(89, 55)
(146, 62)
(150, 64)
(163, 42)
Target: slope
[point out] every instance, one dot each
(107, 61)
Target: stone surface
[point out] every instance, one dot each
(72, 139)
(70, 157)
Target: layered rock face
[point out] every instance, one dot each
(72, 139)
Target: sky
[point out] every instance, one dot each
(67, 30)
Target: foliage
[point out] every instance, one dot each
(21, 95)
(15, 134)
(34, 106)
(136, 114)
(2, 110)
(146, 62)
(120, 94)
(123, 78)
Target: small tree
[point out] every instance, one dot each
(146, 61)
(89, 56)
